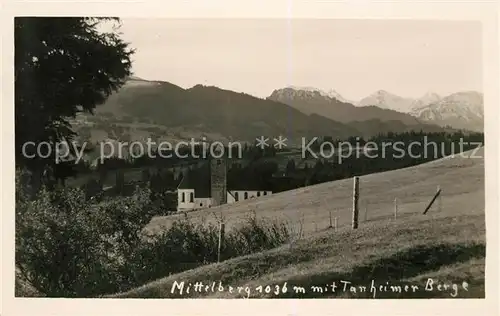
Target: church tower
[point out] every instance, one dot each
(218, 177)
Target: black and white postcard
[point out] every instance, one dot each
(331, 162)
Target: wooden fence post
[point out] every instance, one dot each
(221, 241)
(439, 201)
(432, 201)
(335, 226)
(355, 203)
(366, 213)
(395, 208)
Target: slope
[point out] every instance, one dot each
(208, 109)
(162, 110)
(386, 100)
(447, 244)
(369, 119)
(464, 110)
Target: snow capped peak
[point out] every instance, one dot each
(468, 97)
(386, 100)
(332, 94)
(425, 100)
(462, 109)
(431, 95)
(308, 89)
(381, 92)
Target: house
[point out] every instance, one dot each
(210, 186)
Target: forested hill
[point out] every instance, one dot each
(224, 114)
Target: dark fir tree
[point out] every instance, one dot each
(63, 66)
(290, 166)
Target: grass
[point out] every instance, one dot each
(186, 246)
(395, 253)
(446, 245)
(461, 181)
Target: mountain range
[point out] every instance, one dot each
(160, 109)
(312, 101)
(461, 110)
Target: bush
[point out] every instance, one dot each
(255, 236)
(69, 246)
(186, 246)
(93, 188)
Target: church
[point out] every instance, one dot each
(209, 186)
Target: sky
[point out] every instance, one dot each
(354, 57)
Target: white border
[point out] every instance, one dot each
(485, 11)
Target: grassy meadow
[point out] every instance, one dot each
(447, 245)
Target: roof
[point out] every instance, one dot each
(237, 180)
(197, 179)
(241, 180)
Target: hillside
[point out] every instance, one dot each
(162, 110)
(332, 94)
(425, 100)
(368, 119)
(460, 110)
(385, 111)
(413, 186)
(386, 100)
(446, 244)
(211, 111)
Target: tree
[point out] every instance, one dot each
(120, 181)
(63, 66)
(264, 169)
(68, 246)
(290, 166)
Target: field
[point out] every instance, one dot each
(445, 245)
(461, 180)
